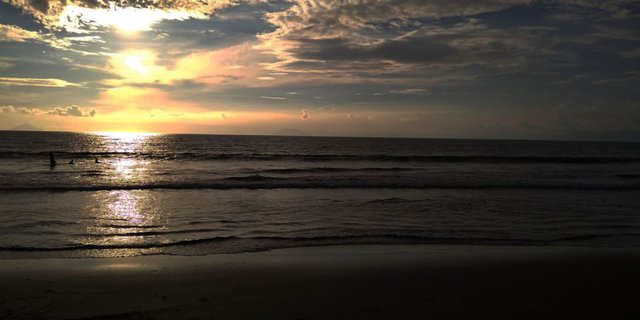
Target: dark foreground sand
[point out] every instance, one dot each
(346, 282)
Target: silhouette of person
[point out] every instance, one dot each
(52, 160)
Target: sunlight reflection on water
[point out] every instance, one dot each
(123, 217)
(130, 167)
(124, 207)
(123, 221)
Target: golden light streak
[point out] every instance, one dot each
(126, 136)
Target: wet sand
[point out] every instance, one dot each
(341, 282)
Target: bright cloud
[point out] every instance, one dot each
(35, 82)
(124, 19)
(15, 33)
(71, 111)
(233, 65)
(12, 33)
(128, 15)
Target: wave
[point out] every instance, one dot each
(73, 154)
(145, 233)
(269, 243)
(627, 176)
(334, 170)
(42, 223)
(393, 200)
(255, 177)
(266, 182)
(120, 226)
(324, 157)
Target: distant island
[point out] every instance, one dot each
(26, 127)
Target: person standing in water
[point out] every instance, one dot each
(52, 160)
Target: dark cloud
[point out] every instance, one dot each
(589, 10)
(391, 39)
(39, 5)
(409, 50)
(322, 17)
(404, 40)
(462, 51)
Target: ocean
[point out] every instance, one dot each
(204, 194)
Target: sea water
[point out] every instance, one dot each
(136, 194)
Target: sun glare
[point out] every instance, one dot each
(126, 20)
(136, 63)
(124, 134)
(138, 66)
(133, 20)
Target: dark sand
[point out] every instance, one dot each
(346, 282)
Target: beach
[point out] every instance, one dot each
(330, 282)
(266, 227)
(319, 159)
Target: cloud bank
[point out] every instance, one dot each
(70, 111)
(76, 13)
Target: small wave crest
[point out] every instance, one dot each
(334, 170)
(270, 243)
(265, 182)
(145, 233)
(393, 200)
(255, 177)
(124, 226)
(323, 157)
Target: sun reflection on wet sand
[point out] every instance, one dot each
(120, 266)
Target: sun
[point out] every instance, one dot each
(136, 63)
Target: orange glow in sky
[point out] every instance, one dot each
(398, 68)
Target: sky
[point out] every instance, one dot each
(497, 69)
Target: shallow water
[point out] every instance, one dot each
(200, 194)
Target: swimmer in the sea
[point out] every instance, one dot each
(52, 160)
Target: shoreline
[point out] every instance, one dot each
(329, 282)
(155, 251)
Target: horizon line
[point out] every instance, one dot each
(322, 136)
